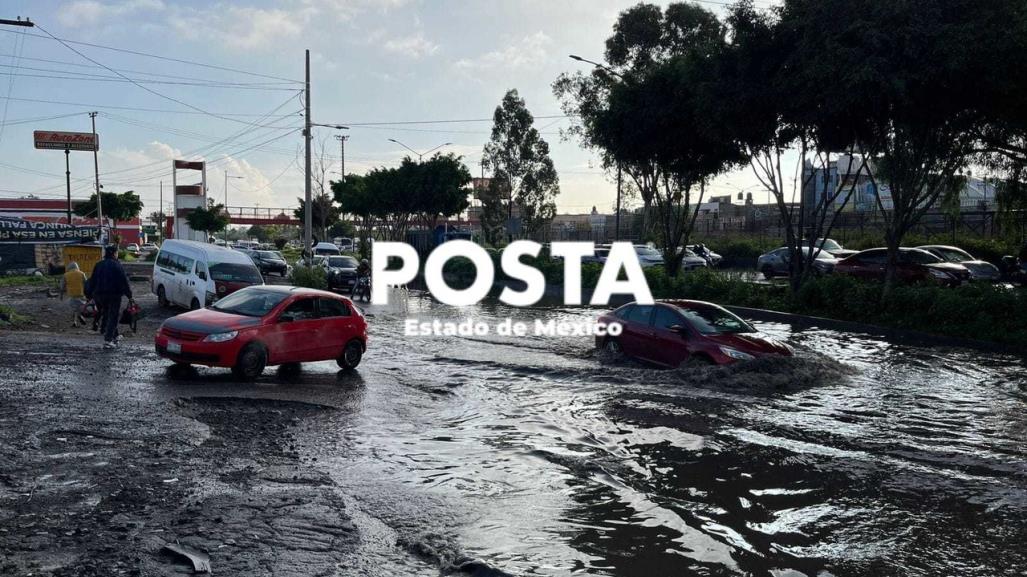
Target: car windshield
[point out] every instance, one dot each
(342, 262)
(828, 244)
(920, 257)
(646, 251)
(715, 321)
(953, 254)
(231, 272)
(269, 254)
(250, 302)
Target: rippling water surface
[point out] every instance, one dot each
(538, 456)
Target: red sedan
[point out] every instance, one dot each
(913, 265)
(266, 325)
(671, 333)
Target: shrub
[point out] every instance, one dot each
(309, 277)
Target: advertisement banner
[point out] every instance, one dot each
(19, 231)
(52, 140)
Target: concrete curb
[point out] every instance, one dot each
(900, 336)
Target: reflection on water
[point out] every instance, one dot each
(533, 454)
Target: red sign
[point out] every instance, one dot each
(190, 164)
(50, 140)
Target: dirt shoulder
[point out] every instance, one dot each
(96, 478)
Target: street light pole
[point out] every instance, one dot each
(420, 155)
(308, 212)
(342, 155)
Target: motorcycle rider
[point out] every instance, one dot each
(363, 272)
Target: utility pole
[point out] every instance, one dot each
(308, 212)
(67, 177)
(160, 211)
(19, 22)
(96, 171)
(616, 230)
(342, 155)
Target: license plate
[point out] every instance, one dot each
(174, 348)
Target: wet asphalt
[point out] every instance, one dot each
(522, 456)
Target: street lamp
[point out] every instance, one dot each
(608, 70)
(420, 155)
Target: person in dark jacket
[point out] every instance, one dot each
(106, 286)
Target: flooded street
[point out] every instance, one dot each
(537, 455)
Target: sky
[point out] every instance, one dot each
(389, 69)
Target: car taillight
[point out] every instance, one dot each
(221, 288)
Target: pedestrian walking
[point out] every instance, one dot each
(73, 287)
(107, 286)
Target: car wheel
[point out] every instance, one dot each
(251, 362)
(351, 355)
(195, 304)
(162, 297)
(612, 346)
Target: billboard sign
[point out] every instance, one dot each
(19, 231)
(52, 140)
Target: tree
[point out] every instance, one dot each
(912, 86)
(439, 188)
(325, 213)
(124, 206)
(519, 160)
(493, 210)
(210, 219)
(647, 112)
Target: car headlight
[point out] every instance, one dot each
(736, 354)
(221, 337)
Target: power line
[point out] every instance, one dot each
(38, 119)
(49, 36)
(134, 108)
(150, 90)
(402, 122)
(19, 46)
(84, 77)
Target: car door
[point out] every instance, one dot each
(337, 326)
(200, 283)
(669, 346)
(637, 334)
(295, 334)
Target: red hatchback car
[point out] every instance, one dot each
(671, 333)
(266, 325)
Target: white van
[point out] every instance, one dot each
(193, 274)
(326, 249)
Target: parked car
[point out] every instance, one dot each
(712, 259)
(778, 262)
(341, 272)
(692, 261)
(979, 269)
(326, 249)
(599, 256)
(914, 265)
(344, 244)
(267, 325)
(675, 332)
(193, 274)
(149, 247)
(648, 256)
(269, 261)
(831, 246)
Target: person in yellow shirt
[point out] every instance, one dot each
(73, 286)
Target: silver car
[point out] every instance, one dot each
(777, 262)
(979, 269)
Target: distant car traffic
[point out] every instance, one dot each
(914, 265)
(341, 272)
(598, 256)
(132, 248)
(267, 325)
(648, 256)
(831, 246)
(269, 261)
(778, 262)
(149, 247)
(345, 244)
(326, 249)
(692, 261)
(979, 269)
(676, 332)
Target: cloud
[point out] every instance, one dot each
(82, 13)
(415, 46)
(530, 52)
(238, 28)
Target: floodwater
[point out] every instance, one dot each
(535, 455)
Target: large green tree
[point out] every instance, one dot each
(646, 111)
(519, 160)
(117, 207)
(210, 219)
(325, 213)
